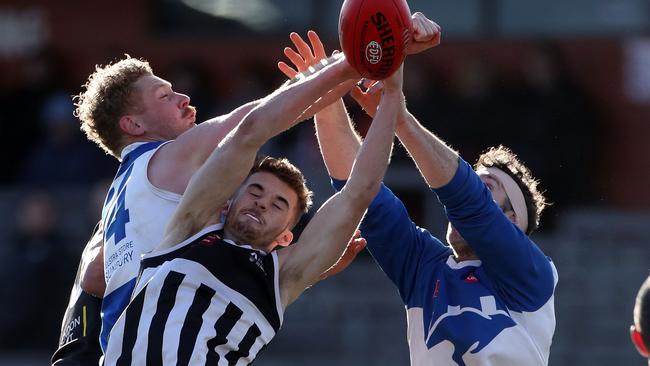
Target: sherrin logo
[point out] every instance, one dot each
(373, 52)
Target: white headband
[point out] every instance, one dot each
(514, 193)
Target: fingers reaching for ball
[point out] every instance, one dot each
(304, 55)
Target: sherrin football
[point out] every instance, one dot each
(374, 35)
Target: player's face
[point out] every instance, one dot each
(262, 211)
(167, 114)
(499, 196)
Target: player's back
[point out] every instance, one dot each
(135, 214)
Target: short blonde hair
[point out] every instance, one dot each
(110, 94)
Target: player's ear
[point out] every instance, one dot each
(285, 238)
(131, 126)
(226, 208)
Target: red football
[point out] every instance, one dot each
(374, 35)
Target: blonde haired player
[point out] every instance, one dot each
(209, 291)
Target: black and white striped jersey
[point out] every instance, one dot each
(205, 301)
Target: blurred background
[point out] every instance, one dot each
(565, 84)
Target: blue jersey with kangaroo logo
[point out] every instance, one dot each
(494, 311)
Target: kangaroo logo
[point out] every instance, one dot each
(490, 320)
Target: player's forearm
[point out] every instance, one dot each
(328, 99)
(371, 162)
(280, 110)
(206, 136)
(436, 161)
(338, 140)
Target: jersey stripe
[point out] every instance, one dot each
(244, 346)
(223, 326)
(131, 321)
(166, 302)
(192, 323)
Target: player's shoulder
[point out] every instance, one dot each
(137, 150)
(168, 169)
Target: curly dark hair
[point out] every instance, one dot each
(289, 174)
(503, 158)
(110, 94)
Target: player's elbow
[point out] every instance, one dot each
(535, 288)
(92, 281)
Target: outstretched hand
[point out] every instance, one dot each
(356, 245)
(426, 34)
(304, 56)
(308, 58)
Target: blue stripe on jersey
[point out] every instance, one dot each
(112, 307)
(131, 156)
(127, 162)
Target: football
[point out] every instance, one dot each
(374, 35)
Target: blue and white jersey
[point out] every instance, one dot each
(134, 216)
(495, 311)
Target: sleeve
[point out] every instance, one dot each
(519, 269)
(400, 247)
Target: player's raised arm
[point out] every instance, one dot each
(325, 237)
(337, 138)
(231, 161)
(436, 161)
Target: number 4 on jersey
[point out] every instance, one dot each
(119, 214)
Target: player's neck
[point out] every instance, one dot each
(228, 235)
(464, 253)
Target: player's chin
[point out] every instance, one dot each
(247, 230)
(191, 122)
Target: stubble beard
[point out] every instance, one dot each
(243, 232)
